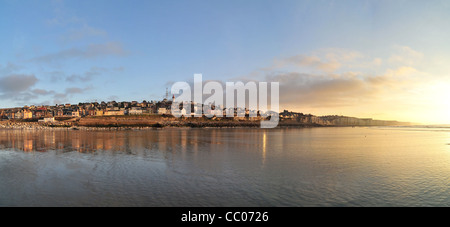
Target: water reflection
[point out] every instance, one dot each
(172, 140)
(264, 145)
(224, 167)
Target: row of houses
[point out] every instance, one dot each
(112, 108)
(163, 107)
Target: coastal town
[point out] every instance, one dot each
(80, 110)
(112, 108)
(158, 113)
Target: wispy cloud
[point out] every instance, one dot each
(86, 31)
(61, 20)
(42, 92)
(326, 60)
(61, 16)
(9, 68)
(313, 62)
(76, 90)
(59, 98)
(73, 27)
(87, 76)
(88, 52)
(55, 76)
(405, 55)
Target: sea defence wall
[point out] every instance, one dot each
(136, 121)
(163, 121)
(120, 121)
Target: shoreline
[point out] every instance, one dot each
(12, 125)
(104, 126)
(146, 122)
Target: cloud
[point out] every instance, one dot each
(56, 76)
(42, 92)
(377, 61)
(75, 77)
(16, 87)
(89, 52)
(19, 88)
(339, 54)
(302, 89)
(76, 28)
(9, 68)
(86, 31)
(405, 55)
(76, 90)
(59, 98)
(401, 71)
(324, 60)
(313, 62)
(61, 16)
(87, 76)
(61, 20)
(17, 83)
(70, 91)
(92, 73)
(331, 80)
(22, 98)
(349, 89)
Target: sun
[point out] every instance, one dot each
(439, 100)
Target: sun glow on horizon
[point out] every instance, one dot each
(425, 103)
(439, 109)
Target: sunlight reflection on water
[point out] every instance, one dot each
(226, 167)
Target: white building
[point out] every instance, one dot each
(135, 111)
(162, 111)
(115, 113)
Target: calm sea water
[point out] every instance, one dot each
(226, 167)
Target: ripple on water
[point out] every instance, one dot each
(163, 168)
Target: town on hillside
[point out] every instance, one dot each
(80, 110)
(48, 113)
(112, 108)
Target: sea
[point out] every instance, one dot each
(227, 167)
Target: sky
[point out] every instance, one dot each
(379, 59)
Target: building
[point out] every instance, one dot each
(18, 114)
(47, 120)
(27, 114)
(76, 113)
(39, 114)
(163, 110)
(135, 111)
(99, 112)
(114, 113)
